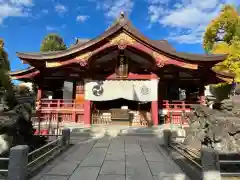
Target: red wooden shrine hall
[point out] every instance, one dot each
(119, 77)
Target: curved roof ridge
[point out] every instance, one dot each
(82, 40)
(28, 69)
(171, 51)
(123, 23)
(205, 55)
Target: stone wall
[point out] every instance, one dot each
(215, 128)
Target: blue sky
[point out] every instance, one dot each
(24, 23)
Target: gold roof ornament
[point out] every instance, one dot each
(122, 40)
(53, 64)
(84, 56)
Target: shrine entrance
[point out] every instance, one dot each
(114, 72)
(121, 112)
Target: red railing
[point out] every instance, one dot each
(67, 110)
(175, 111)
(176, 105)
(61, 105)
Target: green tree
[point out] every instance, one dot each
(5, 65)
(52, 42)
(232, 63)
(6, 85)
(222, 36)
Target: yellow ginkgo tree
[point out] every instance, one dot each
(232, 63)
(222, 36)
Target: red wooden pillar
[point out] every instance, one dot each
(201, 95)
(87, 112)
(154, 111)
(38, 106)
(79, 100)
(154, 105)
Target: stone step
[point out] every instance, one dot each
(98, 131)
(124, 131)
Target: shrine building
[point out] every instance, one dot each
(120, 77)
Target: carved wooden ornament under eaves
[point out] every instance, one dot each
(83, 63)
(160, 59)
(122, 40)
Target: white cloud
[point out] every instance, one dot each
(189, 18)
(14, 8)
(82, 18)
(60, 8)
(21, 2)
(156, 9)
(55, 28)
(113, 8)
(205, 4)
(188, 36)
(50, 28)
(155, 12)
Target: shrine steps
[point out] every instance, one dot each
(114, 130)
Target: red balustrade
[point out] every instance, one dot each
(175, 111)
(176, 105)
(67, 110)
(61, 104)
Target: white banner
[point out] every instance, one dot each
(134, 90)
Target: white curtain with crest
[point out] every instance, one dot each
(134, 90)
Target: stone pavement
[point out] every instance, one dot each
(119, 158)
